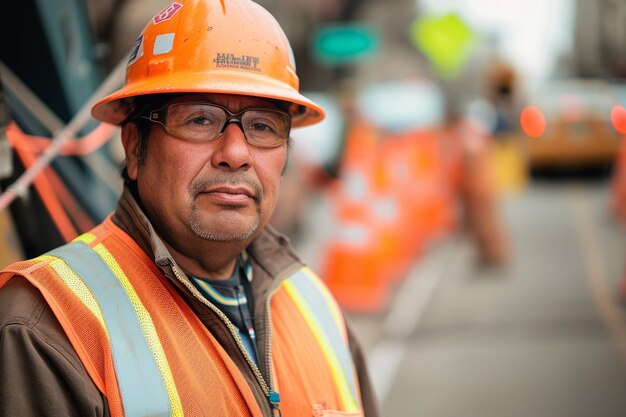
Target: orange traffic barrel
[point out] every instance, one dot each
(353, 269)
(380, 215)
(421, 185)
(400, 185)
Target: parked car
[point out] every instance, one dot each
(568, 125)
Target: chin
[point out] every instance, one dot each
(225, 234)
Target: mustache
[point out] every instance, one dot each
(234, 180)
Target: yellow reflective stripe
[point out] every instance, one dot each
(85, 237)
(330, 301)
(149, 331)
(348, 402)
(77, 286)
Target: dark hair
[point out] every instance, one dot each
(143, 131)
(140, 105)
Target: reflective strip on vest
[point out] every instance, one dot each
(318, 310)
(140, 383)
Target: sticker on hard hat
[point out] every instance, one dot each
(137, 51)
(163, 44)
(247, 62)
(167, 13)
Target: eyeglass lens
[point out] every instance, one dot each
(205, 122)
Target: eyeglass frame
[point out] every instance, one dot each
(159, 116)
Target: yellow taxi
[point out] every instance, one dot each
(568, 125)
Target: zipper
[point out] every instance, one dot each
(272, 396)
(247, 318)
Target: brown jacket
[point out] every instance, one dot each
(41, 373)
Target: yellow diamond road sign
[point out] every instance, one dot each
(445, 40)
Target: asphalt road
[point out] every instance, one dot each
(544, 336)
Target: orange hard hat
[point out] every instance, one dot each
(211, 46)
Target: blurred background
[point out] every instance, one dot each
(464, 199)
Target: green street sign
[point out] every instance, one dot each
(339, 44)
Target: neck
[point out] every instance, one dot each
(214, 260)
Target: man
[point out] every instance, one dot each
(183, 301)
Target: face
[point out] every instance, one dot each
(223, 191)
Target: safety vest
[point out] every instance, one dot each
(150, 355)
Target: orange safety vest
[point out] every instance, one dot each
(149, 354)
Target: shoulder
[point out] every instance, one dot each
(20, 303)
(25, 315)
(40, 368)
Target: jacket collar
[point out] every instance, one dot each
(130, 218)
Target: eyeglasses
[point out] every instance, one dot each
(205, 122)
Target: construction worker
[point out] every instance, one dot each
(183, 301)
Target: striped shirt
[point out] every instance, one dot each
(234, 298)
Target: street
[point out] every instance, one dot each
(545, 336)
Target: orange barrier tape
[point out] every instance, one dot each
(81, 219)
(49, 199)
(58, 201)
(37, 144)
(19, 186)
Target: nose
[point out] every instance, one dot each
(232, 150)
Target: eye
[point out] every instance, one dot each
(261, 127)
(193, 116)
(262, 123)
(199, 120)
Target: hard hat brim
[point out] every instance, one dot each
(115, 108)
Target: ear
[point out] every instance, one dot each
(130, 142)
(282, 173)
